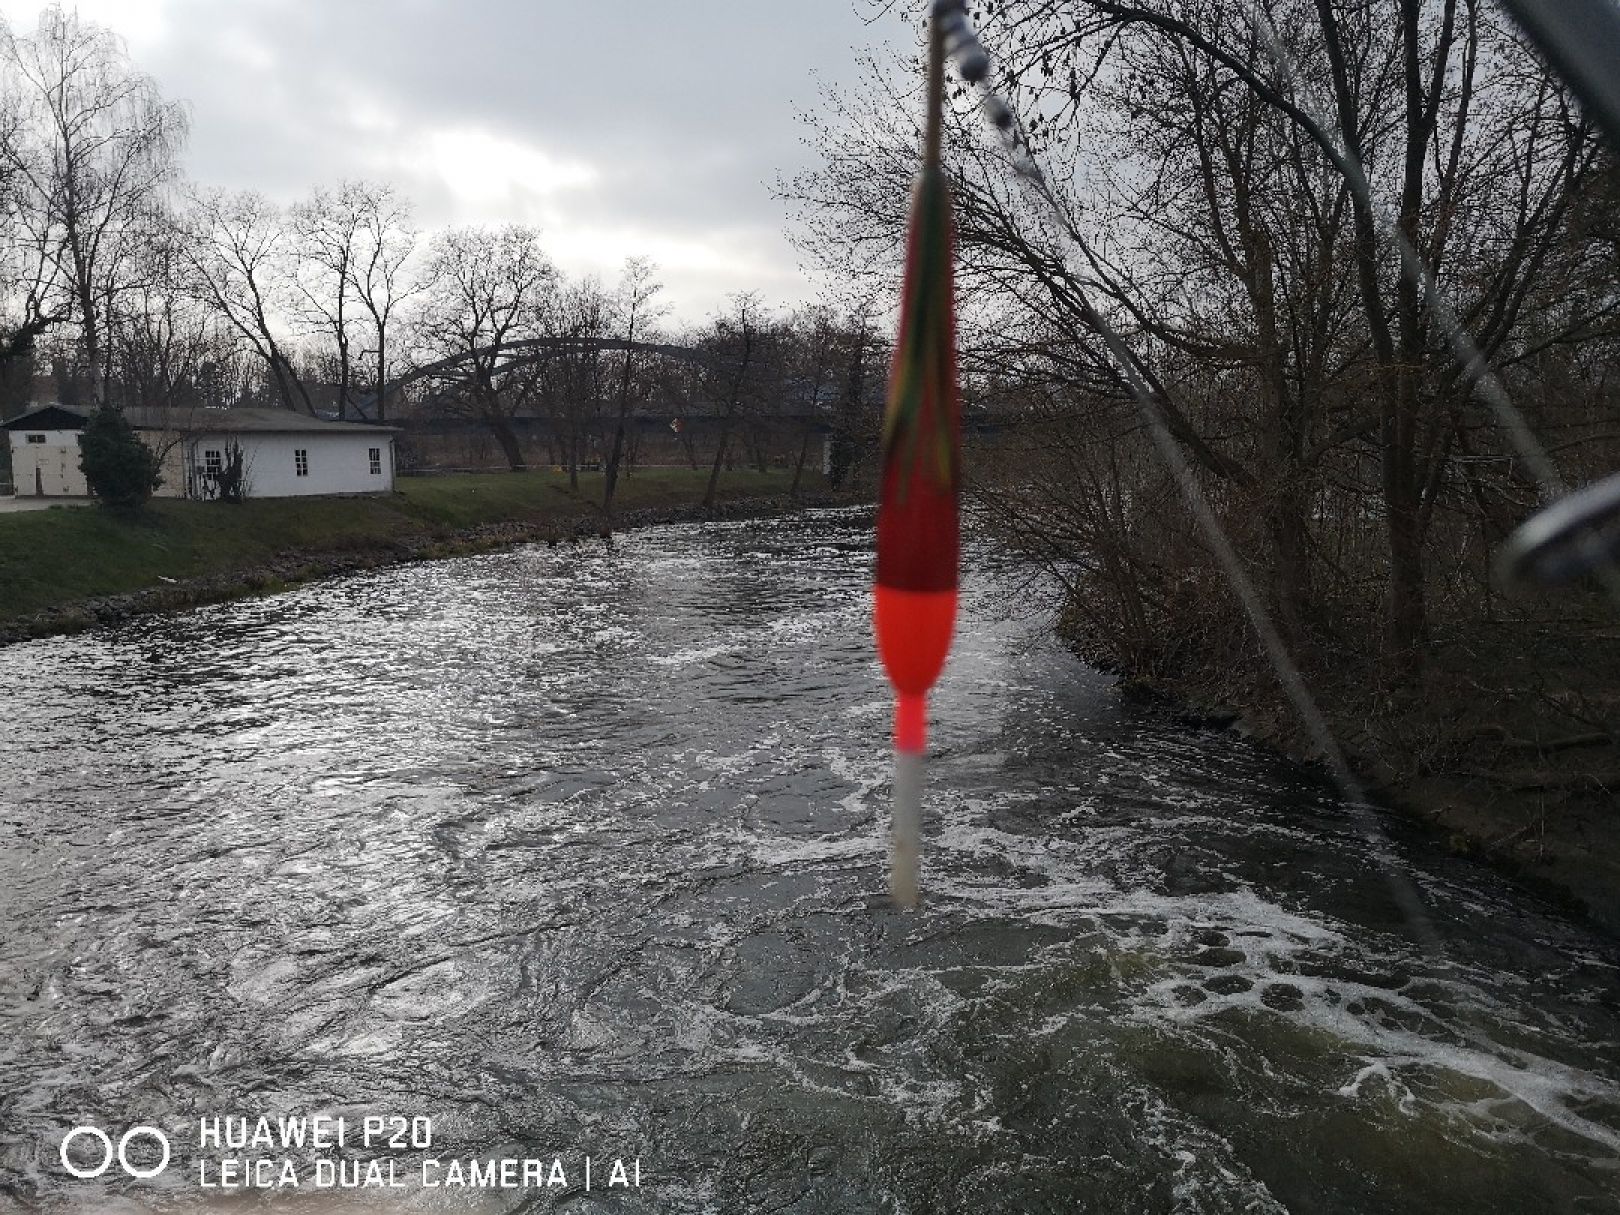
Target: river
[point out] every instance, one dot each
(574, 851)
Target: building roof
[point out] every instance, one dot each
(234, 421)
(46, 417)
(195, 421)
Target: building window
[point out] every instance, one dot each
(36, 438)
(213, 463)
(301, 459)
(376, 461)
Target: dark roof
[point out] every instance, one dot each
(232, 421)
(46, 417)
(195, 421)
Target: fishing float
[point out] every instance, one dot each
(918, 528)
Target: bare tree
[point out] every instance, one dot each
(569, 382)
(732, 340)
(812, 359)
(1208, 213)
(94, 152)
(351, 247)
(324, 231)
(161, 339)
(31, 298)
(379, 270)
(637, 312)
(489, 288)
(855, 421)
(236, 250)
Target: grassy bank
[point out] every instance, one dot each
(53, 559)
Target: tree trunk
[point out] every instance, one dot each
(610, 474)
(798, 468)
(344, 376)
(719, 459)
(1408, 626)
(1407, 615)
(761, 452)
(1404, 616)
(501, 427)
(382, 378)
(1286, 497)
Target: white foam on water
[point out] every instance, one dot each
(691, 657)
(778, 852)
(1540, 1083)
(1379, 1070)
(1207, 1178)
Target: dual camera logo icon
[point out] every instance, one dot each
(109, 1153)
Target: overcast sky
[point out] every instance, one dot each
(618, 126)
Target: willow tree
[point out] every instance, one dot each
(94, 153)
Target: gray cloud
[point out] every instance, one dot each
(620, 126)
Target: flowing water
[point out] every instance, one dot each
(574, 850)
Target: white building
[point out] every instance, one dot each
(284, 454)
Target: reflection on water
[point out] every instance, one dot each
(572, 850)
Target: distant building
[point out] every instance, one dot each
(284, 454)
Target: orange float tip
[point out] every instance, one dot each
(911, 723)
(913, 638)
(913, 635)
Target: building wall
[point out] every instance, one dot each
(50, 468)
(336, 463)
(173, 466)
(57, 460)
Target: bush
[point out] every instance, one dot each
(120, 470)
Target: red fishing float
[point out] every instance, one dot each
(918, 537)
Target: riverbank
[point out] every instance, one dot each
(1504, 750)
(72, 568)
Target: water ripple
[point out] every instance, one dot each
(575, 848)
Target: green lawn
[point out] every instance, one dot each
(54, 557)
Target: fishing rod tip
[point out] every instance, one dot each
(973, 64)
(962, 46)
(1576, 535)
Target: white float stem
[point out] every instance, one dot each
(906, 830)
